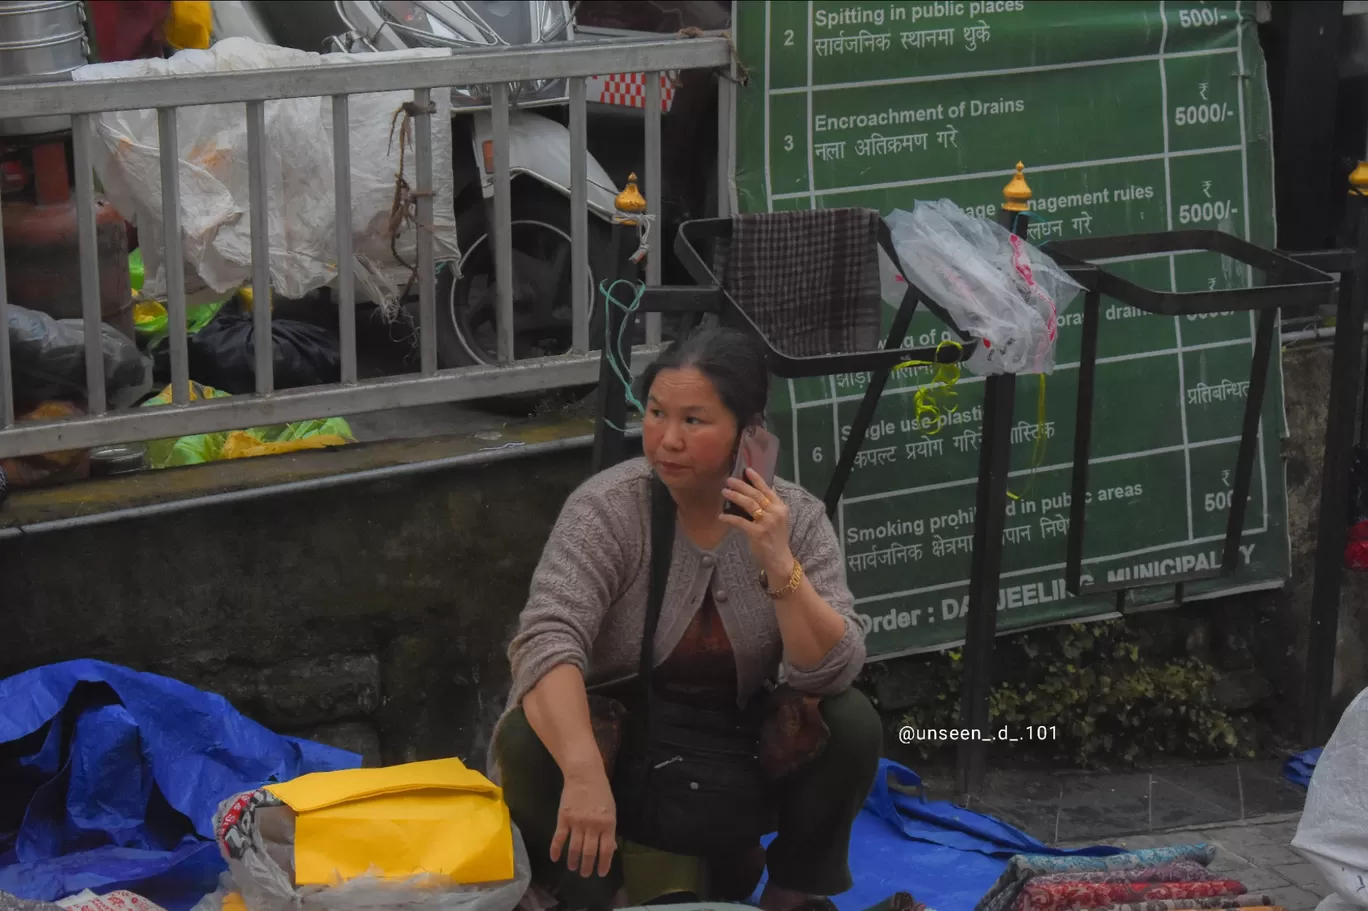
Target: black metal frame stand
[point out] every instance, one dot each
(1287, 282)
(1290, 281)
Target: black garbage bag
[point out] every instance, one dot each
(48, 356)
(223, 354)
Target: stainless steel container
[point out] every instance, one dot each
(40, 41)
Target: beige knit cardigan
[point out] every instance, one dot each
(587, 602)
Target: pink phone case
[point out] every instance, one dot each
(758, 449)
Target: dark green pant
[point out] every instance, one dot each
(816, 806)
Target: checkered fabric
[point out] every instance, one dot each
(809, 279)
(629, 90)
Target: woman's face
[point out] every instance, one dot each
(687, 434)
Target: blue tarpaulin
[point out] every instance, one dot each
(1298, 768)
(110, 778)
(944, 856)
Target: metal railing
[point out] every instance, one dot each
(430, 385)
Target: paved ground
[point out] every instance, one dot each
(1073, 806)
(1247, 809)
(1255, 852)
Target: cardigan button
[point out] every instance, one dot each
(708, 560)
(720, 594)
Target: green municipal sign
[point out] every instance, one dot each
(1130, 117)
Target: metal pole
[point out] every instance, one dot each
(427, 274)
(346, 275)
(653, 198)
(502, 235)
(261, 248)
(1087, 387)
(878, 379)
(174, 258)
(1249, 438)
(6, 377)
(990, 517)
(1320, 333)
(88, 253)
(1331, 530)
(580, 293)
(726, 101)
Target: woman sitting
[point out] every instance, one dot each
(756, 628)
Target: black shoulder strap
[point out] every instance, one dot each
(662, 548)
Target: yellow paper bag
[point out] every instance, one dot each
(434, 817)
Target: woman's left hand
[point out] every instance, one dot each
(768, 528)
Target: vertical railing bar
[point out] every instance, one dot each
(87, 249)
(653, 198)
(726, 98)
(346, 275)
(261, 248)
(6, 377)
(1083, 423)
(1249, 438)
(427, 277)
(503, 224)
(579, 217)
(173, 256)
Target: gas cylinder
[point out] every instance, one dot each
(42, 255)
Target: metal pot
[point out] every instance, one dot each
(40, 41)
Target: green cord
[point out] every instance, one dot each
(616, 359)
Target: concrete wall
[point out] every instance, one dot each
(375, 615)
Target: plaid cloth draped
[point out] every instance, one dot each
(809, 280)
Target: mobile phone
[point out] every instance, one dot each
(757, 449)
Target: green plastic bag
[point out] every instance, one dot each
(151, 321)
(198, 449)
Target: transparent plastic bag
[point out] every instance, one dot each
(256, 838)
(215, 187)
(993, 285)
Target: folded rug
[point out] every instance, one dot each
(1248, 902)
(1180, 871)
(1077, 896)
(1024, 867)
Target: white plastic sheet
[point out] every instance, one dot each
(994, 285)
(214, 186)
(1333, 832)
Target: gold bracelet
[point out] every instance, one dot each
(794, 580)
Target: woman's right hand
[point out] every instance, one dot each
(587, 821)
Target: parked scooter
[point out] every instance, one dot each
(539, 156)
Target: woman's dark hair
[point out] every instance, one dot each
(732, 360)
